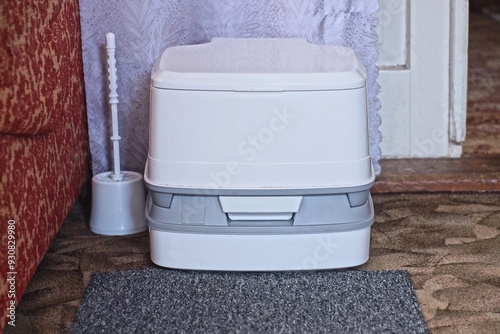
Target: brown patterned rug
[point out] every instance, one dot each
(448, 243)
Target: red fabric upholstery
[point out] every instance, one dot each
(43, 134)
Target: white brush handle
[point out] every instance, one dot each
(116, 174)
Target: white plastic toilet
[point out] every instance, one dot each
(259, 157)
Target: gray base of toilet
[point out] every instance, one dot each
(203, 214)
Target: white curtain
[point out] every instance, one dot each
(144, 28)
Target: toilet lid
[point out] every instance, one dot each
(258, 64)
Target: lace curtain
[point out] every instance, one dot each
(144, 28)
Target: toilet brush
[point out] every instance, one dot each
(118, 198)
(116, 175)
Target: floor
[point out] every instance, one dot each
(483, 97)
(427, 222)
(449, 243)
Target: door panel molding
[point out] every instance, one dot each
(459, 41)
(423, 93)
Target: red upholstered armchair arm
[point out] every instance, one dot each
(43, 132)
(31, 66)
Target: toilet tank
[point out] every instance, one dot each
(277, 115)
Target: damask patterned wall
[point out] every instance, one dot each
(144, 28)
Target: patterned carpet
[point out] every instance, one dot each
(449, 243)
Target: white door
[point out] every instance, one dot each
(423, 77)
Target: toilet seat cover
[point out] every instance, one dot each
(258, 64)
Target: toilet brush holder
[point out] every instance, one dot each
(118, 197)
(118, 206)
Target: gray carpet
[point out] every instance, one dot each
(155, 300)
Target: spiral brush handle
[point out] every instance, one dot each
(111, 48)
(113, 101)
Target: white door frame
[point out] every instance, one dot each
(423, 77)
